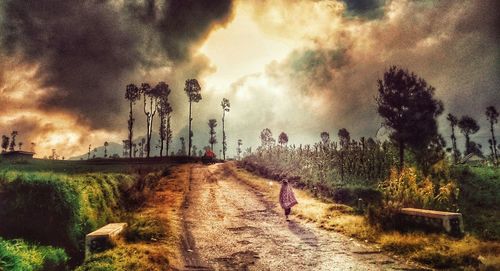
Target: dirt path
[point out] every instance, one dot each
(230, 226)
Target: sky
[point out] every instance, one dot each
(298, 66)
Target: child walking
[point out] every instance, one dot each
(287, 198)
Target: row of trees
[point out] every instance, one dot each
(156, 100)
(468, 126)
(409, 110)
(9, 143)
(407, 104)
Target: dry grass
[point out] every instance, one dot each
(154, 236)
(437, 250)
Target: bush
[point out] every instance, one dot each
(17, 255)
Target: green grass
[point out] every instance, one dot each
(17, 255)
(59, 209)
(479, 200)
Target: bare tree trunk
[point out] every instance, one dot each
(168, 135)
(190, 133)
(493, 140)
(130, 129)
(223, 136)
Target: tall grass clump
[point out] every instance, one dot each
(59, 209)
(17, 255)
(410, 188)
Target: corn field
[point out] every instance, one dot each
(363, 162)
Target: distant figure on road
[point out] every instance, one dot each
(208, 157)
(287, 198)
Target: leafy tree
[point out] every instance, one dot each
(124, 148)
(212, 123)
(453, 123)
(468, 126)
(225, 108)
(282, 138)
(132, 94)
(192, 89)
(12, 140)
(344, 138)
(475, 148)
(492, 115)
(164, 111)
(32, 147)
(106, 144)
(150, 108)
(266, 138)
(20, 145)
(433, 153)
(325, 138)
(409, 109)
(5, 142)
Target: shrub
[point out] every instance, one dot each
(409, 188)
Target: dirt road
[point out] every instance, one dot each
(230, 226)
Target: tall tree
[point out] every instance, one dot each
(409, 109)
(282, 138)
(106, 144)
(164, 110)
(492, 115)
(325, 138)
(20, 145)
(150, 107)
(132, 94)
(12, 145)
(238, 150)
(5, 142)
(212, 123)
(468, 126)
(266, 138)
(182, 150)
(90, 146)
(453, 123)
(192, 89)
(225, 108)
(168, 135)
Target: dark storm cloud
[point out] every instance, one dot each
(182, 24)
(365, 8)
(87, 51)
(83, 48)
